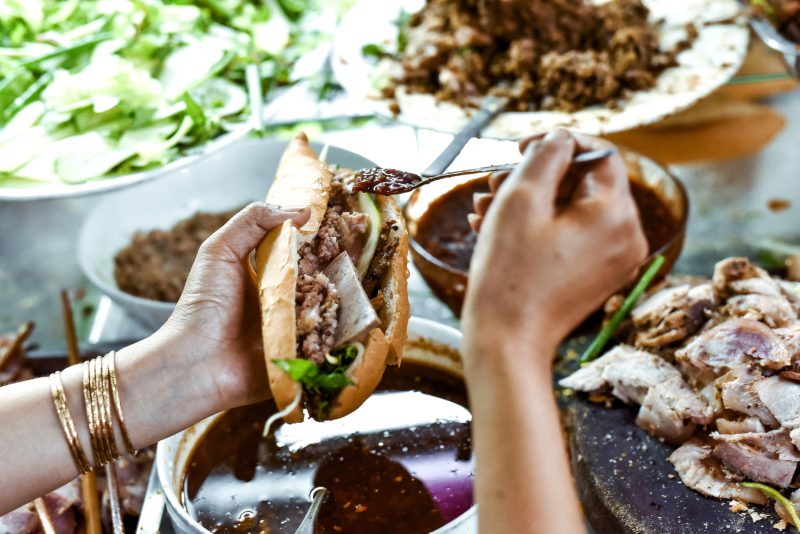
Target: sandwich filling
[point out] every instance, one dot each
(351, 224)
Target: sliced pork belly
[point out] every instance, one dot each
(701, 472)
(794, 435)
(768, 457)
(729, 345)
(739, 426)
(791, 338)
(774, 311)
(672, 314)
(628, 372)
(671, 409)
(738, 395)
(782, 399)
(737, 276)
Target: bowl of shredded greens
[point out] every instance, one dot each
(100, 94)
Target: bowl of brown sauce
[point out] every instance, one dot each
(442, 242)
(401, 463)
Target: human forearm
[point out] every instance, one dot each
(161, 392)
(522, 465)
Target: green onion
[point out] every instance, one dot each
(605, 334)
(256, 97)
(777, 496)
(75, 47)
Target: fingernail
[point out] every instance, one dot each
(554, 135)
(292, 209)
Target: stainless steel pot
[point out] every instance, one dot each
(428, 342)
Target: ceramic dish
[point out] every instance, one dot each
(713, 59)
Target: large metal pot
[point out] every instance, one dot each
(428, 342)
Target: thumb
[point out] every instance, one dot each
(240, 235)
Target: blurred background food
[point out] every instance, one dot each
(102, 88)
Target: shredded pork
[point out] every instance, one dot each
(543, 54)
(714, 369)
(316, 298)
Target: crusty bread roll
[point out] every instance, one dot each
(303, 180)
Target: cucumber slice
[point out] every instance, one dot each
(368, 206)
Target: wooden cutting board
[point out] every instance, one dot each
(626, 484)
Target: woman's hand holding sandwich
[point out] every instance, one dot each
(539, 269)
(205, 359)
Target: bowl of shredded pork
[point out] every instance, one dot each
(713, 367)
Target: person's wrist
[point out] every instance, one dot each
(188, 362)
(507, 348)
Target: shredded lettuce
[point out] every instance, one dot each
(117, 74)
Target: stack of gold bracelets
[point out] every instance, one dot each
(99, 392)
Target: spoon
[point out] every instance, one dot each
(394, 182)
(490, 108)
(318, 496)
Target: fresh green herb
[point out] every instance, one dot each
(777, 496)
(323, 382)
(373, 50)
(605, 334)
(401, 22)
(294, 9)
(772, 254)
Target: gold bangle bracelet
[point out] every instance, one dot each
(126, 438)
(90, 415)
(108, 416)
(96, 382)
(100, 456)
(67, 424)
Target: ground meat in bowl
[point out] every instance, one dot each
(156, 264)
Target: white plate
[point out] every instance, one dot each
(45, 190)
(714, 58)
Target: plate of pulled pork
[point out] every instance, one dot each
(589, 65)
(708, 375)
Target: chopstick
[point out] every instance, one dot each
(91, 503)
(113, 497)
(22, 335)
(44, 516)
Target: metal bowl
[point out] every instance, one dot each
(174, 453)
(449, 284)
(46, 191)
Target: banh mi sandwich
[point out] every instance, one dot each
(333, 294)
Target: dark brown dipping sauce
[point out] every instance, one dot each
(400, 463)
(384, 181)
(444, 230)
(445, 233)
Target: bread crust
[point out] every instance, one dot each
(276, 270)
(303, 180)
(395, 312)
